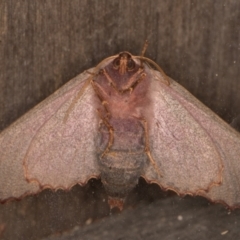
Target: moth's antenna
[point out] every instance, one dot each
(97, 68)
(156, 66)
(143, 51)
(144, 48)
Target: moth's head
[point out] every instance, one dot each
(124, 63)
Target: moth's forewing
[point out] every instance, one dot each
(227, 143)
(198, 152)
(63, 150)
(30, 159)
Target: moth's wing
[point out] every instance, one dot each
(227, 142)
(195, 151)
(42, 150)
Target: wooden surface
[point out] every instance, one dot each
(43, 44)
(172, 218)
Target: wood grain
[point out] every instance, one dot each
(43, 44)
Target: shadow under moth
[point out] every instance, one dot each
(119, 121)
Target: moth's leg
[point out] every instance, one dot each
(147, 148)
(144, 48)
(102, 96)
(75, 99)
(134, 80)
(110, 131)
(111, 137)
(104, 115)
(104, 72)
(91, 73)
(143, 51)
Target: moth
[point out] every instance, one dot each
(119, 121)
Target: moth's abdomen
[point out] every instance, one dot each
(123, 163)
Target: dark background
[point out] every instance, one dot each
(43, 44)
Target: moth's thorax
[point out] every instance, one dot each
(124, 93)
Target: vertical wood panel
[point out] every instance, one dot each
(45, 43)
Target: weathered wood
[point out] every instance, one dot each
(171, 218)
(43, 44)
(46, 43)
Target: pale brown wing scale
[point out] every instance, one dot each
(32, 154)
(197, 151)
